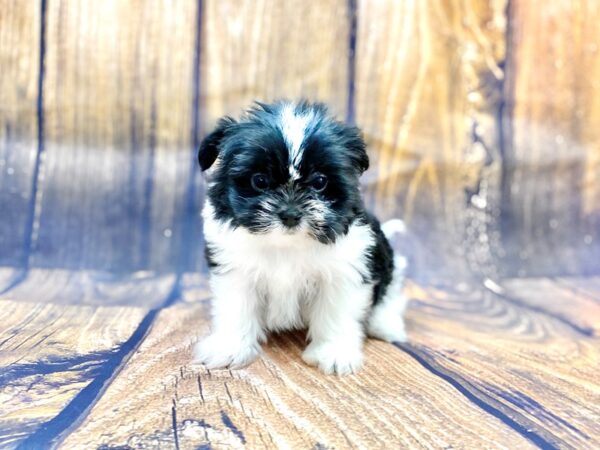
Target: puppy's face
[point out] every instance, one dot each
(286, 168)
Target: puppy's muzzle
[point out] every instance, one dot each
(290, 216)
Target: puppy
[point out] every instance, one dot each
(289, 243)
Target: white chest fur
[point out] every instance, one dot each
(288, 272)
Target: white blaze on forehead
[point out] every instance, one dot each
(293, 128)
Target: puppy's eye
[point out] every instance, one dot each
(259, 182)
(319, 183)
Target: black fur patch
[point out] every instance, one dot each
(381, 260)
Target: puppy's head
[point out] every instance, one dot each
(286, 168)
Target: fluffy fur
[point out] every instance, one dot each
(289, 242)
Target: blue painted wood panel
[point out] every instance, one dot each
(20, 30)
(118, 145)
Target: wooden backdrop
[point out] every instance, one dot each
(481, 118)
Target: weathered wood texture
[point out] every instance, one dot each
(118, 132)
(49, 354)
(589, 287)
(268, 49)
(493, 175)
(535, 359)
(481, 119)
(57, 355)
(428, 91)
(64, 287)
(19, 67)
(552, 157)
(482, 371)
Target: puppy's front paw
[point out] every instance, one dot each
(217, 351)
(341, 357)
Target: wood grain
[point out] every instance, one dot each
(118, 115)
(482, 121)
(428, 91)
(92, 288)
(278, 402)
(50, 353)
(268, 49)
(530, 359)
(588, 287)
(19, 60)
(576, 301)
(552, 193)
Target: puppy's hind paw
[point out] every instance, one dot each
(387, 323)
(334, 357)
(388, 330)
(219, 351)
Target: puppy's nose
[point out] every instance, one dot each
(290, 217)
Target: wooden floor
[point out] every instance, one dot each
(105, 363)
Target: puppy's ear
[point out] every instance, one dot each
(210, 146)
(357, 148)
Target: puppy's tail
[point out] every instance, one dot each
(396, 228)
(393, 227)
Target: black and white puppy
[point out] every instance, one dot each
(289, 242)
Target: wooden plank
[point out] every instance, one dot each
(428, 94)
(118, 115)
(589, 287)
(552, 195)
(49, 354)
(19, 59)
(279, 402)
(575, 307)
(9, 276)
(268, 49)
(92, 288)
(522, 357)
